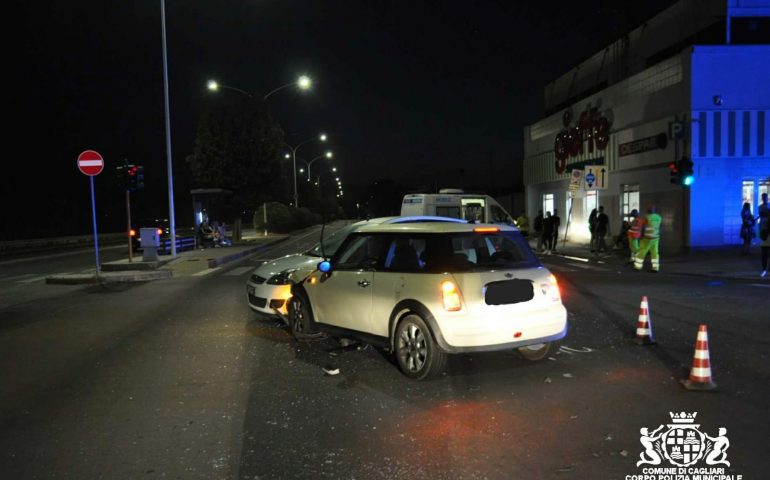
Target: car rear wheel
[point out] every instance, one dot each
(300, 318)
(535, 352)
(418, 355)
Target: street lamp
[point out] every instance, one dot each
(303, 83)
(322, 137)
(328, 154)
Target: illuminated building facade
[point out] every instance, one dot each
(689, 84)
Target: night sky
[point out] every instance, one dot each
(413, 91)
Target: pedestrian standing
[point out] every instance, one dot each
(592, 229)
(602, 225)
(747, 228)
(650, 242)
(523, 223)
(634, 232)
(556, 224)
(764, 234)
(539, 230)
(548, 231)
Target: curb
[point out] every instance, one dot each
(124, 277)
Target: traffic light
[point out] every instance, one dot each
(134, 177)
(682, 172)
(139, 177)
(686, 173)
(674, 171)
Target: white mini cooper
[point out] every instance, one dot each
(424, 290)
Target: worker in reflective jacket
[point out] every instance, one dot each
(633, 233)
(650, 229)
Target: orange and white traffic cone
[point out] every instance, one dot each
(644, 326)
(700, 374)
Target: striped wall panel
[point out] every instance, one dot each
(731, 133)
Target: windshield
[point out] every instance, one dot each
(332, 242)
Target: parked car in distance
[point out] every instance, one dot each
(269, 286)
(425, 290)
(184, 240)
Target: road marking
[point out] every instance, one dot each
(238, 271)
(580, 265)
(206, 272)
(760, 285)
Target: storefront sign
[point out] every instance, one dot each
(656, 142)
(591, 128)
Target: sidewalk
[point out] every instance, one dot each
(719, 263)
(188, 263)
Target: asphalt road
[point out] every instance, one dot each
(179, 379)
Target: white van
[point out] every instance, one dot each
(456, 204)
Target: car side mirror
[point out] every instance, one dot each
(325, 266)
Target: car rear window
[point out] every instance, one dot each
(471, 251)
(457, 252)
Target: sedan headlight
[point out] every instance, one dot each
(281, 278)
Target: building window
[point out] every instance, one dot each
(547, 203)
(630, 201)
(748, 193)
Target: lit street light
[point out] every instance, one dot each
(303, 83)
(322, 137)
(328, 154)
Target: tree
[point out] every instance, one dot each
(238, 148)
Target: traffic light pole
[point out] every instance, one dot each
(128, 226)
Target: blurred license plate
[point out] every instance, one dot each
(509, 291)
(250, 289)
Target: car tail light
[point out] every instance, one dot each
(486, 229)
(551, 288)
(132, 232)
(450, 296)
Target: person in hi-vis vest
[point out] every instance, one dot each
(650, 242)
(634, 232)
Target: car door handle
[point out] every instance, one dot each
(364, 283)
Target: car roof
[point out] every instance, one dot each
(409, 219)
(430, 227)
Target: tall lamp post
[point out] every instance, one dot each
(303, 83)
(328, 154)
(322, 137)
(169, 165)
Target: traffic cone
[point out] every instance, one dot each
(644, 326)
(700, 374)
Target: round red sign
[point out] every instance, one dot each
(90, 163)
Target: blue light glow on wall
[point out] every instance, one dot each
(730, 135)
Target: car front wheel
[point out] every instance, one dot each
(535, 352)
(300, 318)
(418, 355)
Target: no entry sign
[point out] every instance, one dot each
(90, 163)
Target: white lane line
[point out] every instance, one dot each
(206, 272)
(767, 285)
(238, 271)
(580, 265)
